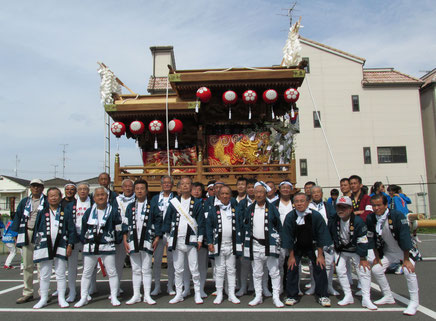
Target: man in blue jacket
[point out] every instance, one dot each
(348, 232)
(389, 235)
(24, 224)
(305, 231)
(328, 212)
(262, 242)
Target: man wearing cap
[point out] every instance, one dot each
(160, 203)
(262, 242)
(328, 212)
(76, 210)
(388, 232)
(24, 224)
(305, 231)
(349, 234)
(70, 192)
(184, 223)
(123, 200)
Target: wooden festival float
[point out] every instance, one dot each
(214, 124)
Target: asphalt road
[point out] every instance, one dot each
(100, 308)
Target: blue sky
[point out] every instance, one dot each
(49, 86)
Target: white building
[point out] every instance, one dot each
(372, 121)
(428, 109)
(12, 191)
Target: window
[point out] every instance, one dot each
(366, 155)
(307, 68)
(303, 167)
(316, 119)
(355, 102)
(392, 154)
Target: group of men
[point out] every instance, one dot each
(246, 238)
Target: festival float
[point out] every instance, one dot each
(212, 124)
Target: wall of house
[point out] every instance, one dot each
(428, 110)
(9, 188)
(388, 116)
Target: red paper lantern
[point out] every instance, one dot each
(118, 129)
(137, 127)
(229, 98)
(203, 94)
(291, 95)
(156, 127)
(270, 96)
(249, 97)
(175, 126)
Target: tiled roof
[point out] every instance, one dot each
(384, 76)
(429, 78)
(332, 49)
(158, 83)
(23, 182)
(57, 182)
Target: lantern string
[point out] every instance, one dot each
(249, 111)
(168, 134)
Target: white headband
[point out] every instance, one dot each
(209, 186)
(265, 186)
(286, 183)
(70, 184)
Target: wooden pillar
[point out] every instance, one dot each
(117, 177)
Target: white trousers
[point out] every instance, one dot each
(157, 265)
(45, 271)
(272, 264)
(12, 252)
(344, 259)
(225, 262)
(179, 254)
(89, 265)
(141, 271)
(379, 274)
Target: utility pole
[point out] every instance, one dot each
(63, 159)
(55, 171)
(16, 165)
